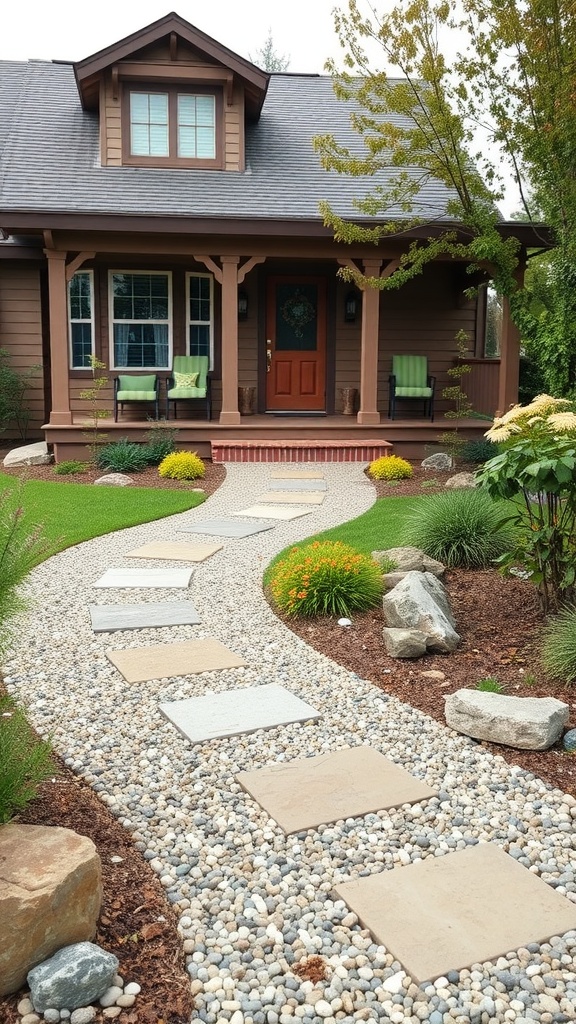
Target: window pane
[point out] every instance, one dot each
(199, 340)
(205, 108)
(159, 140)
(141, 345)
(158, 108)
(205, 144)
(187, 142)
(81, 335)
(123, 309)
(148, 124)
(196, 127)
(139, 107)
(139, 140)
(186, 110)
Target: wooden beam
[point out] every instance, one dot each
(76, 263)
(389, 269)
(248, 266)
(230, 414)
(346, 261)
(58, 320)
(48, 239)
(173, 46)
(209, 263)
(115, 85)
(368, 412)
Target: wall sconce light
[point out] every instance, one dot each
(350, 307)
(242, 305)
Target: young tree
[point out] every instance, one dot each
(506, 98)
(268, 58)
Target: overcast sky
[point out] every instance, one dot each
(55, 29)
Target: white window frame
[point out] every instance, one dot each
(200, 323)
(81, 320)
(112, 321)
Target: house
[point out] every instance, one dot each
(160, 198)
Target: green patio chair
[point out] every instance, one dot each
(411, 382)
(181, 386)
(136, 388)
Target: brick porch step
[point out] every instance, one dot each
(299, 451)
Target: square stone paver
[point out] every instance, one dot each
(145, 578)
(107, 618)
(138, 664)
(297, 474)
(269, 512)
(343, 784)
(447, 913)
(298, 485)
(291, 498)
(177, 551)
(226, 528)
(237, 711)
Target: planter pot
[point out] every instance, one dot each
(246, 399)
(348, 397)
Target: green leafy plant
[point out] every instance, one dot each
(25, 760)
(430, 483)
(13, 387)
(160, 442)
(325, 578)
(92, 395)
(182, 466)
(536, 468)
(460, 528)
(489, 685)
(69, 467)
(20, 550)
(390, 467)
(558, 653)
(122, 456)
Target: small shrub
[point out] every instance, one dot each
(479, 451)
(489, 685)
(559, 645)
(390, 467)
(69, 467)
(160, 442)
(20, 551)
(25, 760)
(182, 466)
(460, 528)
(325, 578)
(122, 456)
(430, 483)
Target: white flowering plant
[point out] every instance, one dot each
(536, 470)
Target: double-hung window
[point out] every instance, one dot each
(200, 315)
(141, 319)
(174, 127)
(81, 319)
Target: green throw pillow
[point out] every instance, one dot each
(185, 380)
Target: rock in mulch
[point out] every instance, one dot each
(528, 723)
(408, 559)
(36, 454)
(439, 461)
(420, 602)
(114, 480)
(404, 643)
(75, 976)
(461, 480)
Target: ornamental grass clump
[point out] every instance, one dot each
(390, 467)
(558, 654)
(25, 760)
(326, 578)
(460, 528)
(536, 471)
(182, 466)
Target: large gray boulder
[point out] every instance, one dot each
(50, 896)
(527, 723)
(36, 454)
(420, 602)
(75, 976)
(404, 643)
(439, 461)
(408, 559)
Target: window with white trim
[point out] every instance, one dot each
(141, 319)
(81, 319)
(200, 315)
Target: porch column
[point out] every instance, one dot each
(58, 319)
(509, 361)
(229, 413)
(368, 412)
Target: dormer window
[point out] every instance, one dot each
(173, 127)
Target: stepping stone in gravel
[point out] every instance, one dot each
(297, 474)
(235, 712)
(291, 498)
(161, 661)
(175, 551)
(298, 485)
(344, 784)
(269, 512)
(446, 913)
(145, 578)
(226, 528)
(107, 618)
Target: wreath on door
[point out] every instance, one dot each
(298, 311)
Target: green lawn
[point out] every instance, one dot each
(70, 513)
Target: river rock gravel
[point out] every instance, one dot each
(253, 903)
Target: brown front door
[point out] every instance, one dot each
(296, 344)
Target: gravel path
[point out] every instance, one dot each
(253, 903)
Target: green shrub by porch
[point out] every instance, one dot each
(325, 578)
(461, 529)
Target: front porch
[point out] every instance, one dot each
(334, 438)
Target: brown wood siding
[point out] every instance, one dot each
(234, 132)
(112, 133)
(21, 335)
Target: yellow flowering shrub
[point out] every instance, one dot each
(182, 466)
(390, 467)
(325, 578)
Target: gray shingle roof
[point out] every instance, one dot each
(50, 158)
